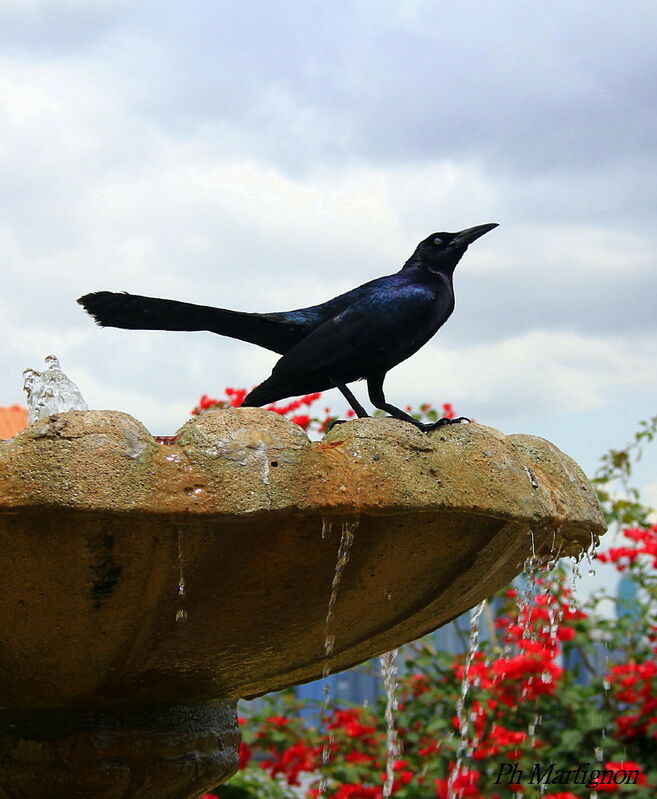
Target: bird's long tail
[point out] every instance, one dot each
(134, 312)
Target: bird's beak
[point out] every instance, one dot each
(469, 235)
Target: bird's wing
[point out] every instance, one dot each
(382, 326)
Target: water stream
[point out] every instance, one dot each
(327, 527)
(389, 673)
(344, 552)
(181, 613)
(50, 391)
(536, 567)
(461, 715)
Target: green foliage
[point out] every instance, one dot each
(620, 501)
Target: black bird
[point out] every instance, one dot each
(359, 335)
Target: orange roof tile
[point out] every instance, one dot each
(12, 419)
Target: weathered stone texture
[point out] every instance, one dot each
(99, 524)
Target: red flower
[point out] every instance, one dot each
(645, 541)
(463, 784)
(244, 755)
(419, 684)
(627, 766)
(291, 762)
(353, 791)
(349, 721)
(359, 757)
(565, 633)
(277, 721)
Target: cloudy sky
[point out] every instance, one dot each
(268, 155)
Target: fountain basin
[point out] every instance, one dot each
(100, 527)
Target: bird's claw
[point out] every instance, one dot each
(427, 428)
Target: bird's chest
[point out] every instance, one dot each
(407, 334)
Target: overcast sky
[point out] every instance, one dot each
(269, 155)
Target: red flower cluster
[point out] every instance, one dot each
(235, 396)
(356, 791)
(636, 684)
(277, 721)
(350, 722)
(499, 741)
(464, 785)
(645, 543)
(530, 670)
(625, 766)
(448, 410)
(291, 762)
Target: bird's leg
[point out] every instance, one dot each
(378, 399)
(358, 409)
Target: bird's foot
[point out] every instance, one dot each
(427, 428)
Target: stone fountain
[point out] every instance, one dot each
(147, 586)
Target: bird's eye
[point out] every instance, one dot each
(438, 240)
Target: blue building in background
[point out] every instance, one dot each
(362, 685)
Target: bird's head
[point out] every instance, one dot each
(440, 252)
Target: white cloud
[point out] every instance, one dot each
(174, 156)
(550, 371)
